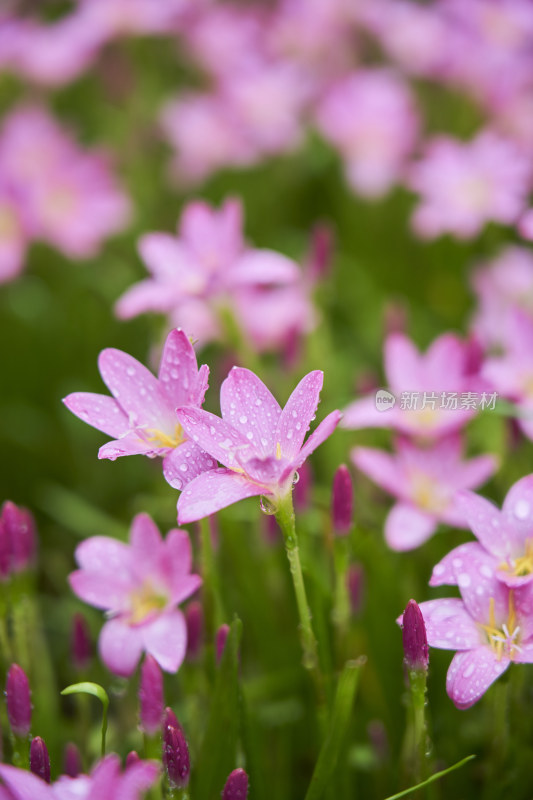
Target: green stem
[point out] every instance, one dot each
(212, 603)
(341, 609)
(416, 742)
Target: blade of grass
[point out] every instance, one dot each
(435, 777)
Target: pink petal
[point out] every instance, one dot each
(177, 553)
(145, 543)
(298, 414)
(485, 521)
(120, 646)
(212, 491)
(476, 471)
(319, 435)
(525, 654)
(446, 571)
(164, 255)
(201, 385)
(137, 779)
(363, 413)
(166, 639)
(101, 590)
(402, 364)
(518, 511)
(382, 468)
(407, 527)
(24, 785)
(98, 410)
(444, 363)
(178, 370)
(248, 406)
(136, 389)
(212, 434)
(186, 462)
(264, 267)
(129, 445)
(184, 588)
(449, 626)
(470, 674)
(478, 584)
(523, 601)
(105, 779)
(103, 555)
(145, 296)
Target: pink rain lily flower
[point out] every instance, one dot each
(260, 445)
(491, 626)
(425, 483)
(106, 782)
(506, 535)
(141, 415)
(139, 585)
(432, 393)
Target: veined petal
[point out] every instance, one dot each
(471, 673)
(382, 468)
(212, 434)
(449, 626)
(186, 462)
(120, 646)
(322, 432)
(485, 521)
(136, 389)
(212, 491)
(250, 408)
(298, 413)
(406, 527)
(166, 640)
(99, 410)
(178, 370)
(101, 590)
(480, 588)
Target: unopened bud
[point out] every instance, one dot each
(321, 251)
(175, 752)
(415, 643)
(220, 641)
(5, 552)
(71, 760)
(194, 619)
(39, 759)
(355, 578)
(151, 696)
(18, 701)
(81, 646)
(132, 758)
(20, 527)
(342, 501)
(236, 787)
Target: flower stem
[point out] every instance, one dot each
(212, 603)
(416, 739)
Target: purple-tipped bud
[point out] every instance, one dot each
(39, 759)
(342, 501)
(151, 699)
(81, 645)
(301, 493)
(132, 758)
(18, 701)
(20, 527)
(355, 578)
(236, 787)
(72, 765)
(194, 619)
(175, 752)
(321, 251)
(415, 643)
(5, 552)
(220, 641)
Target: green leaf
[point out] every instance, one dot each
(86, 687)
(219, 747)
(338, 724)
(433, 778)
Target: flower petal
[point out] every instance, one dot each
(250, 408)
(99, 410)
(323, 430)
(449, 626)
(298, 414)
(120, 646)
(145, 543)
(363, 413)
(178, 370)
(485, 521)
(186, 462)
(264, 267)
(104, 555)
(101, 590)
(480, 587)
(406, 527)
(402, 363)
(382, 468)
(470, 674)
(166, 639)
(518, 511)
(212, 491)
(24, 785)
(212, 434)
(446, 571)
(128, 445)
(136, 779)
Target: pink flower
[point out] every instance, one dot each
(260, 446)
(13, 236)
(139, 586)
(106, 780)
(464, 185)
(208, 270)
(425, 483)
(141, 415)
(370, 116)
(430, 390)
(506, 535)
(491, 626)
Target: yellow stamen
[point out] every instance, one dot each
(144, 601)
(162, 439)
(523, 565)
(502, 640)
(278, 451)
(426, 493)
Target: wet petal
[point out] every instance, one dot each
(98, 410)
(128, 445)
(446, 571)
(212, 491)
(449, 626)
(298, 414)
(323, 430)
(214, 435)
(485, 521)
(518, 512)
(250, 408)
(178, 370)
(470, 674)
(186, 462)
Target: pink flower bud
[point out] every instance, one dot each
(194, 619)
(132, 758)
(81, 646)
(20, 527)
(236, 787)
(151, 696)
(72, 765)
(342, 501)
(5, 552)
(18, 701)
(220, 641)
(415, 643)
(355, 578)
(175, 752)
(39, 759)
(321, 252)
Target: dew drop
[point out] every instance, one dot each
(243, 419)
(267, 506)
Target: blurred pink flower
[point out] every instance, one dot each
(260, 446)
(142, 412)
(105, 781)
(491, 626)
(371, 117)
(139, 585)
(208, 270)
(14, 235)
(464, 185)
(425, 482)
(432, 392)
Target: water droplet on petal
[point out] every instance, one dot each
(267, 506)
